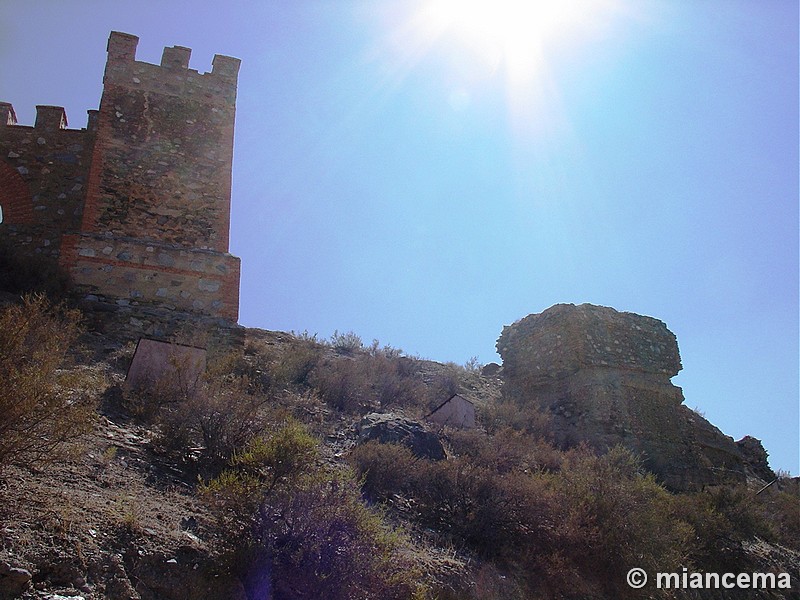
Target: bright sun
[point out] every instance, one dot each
(512, 33)
(522, 44)
(521, 40)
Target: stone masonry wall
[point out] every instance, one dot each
(162, 165)
(566, 338)
(136, 272)
(43, 175)
(136, 207)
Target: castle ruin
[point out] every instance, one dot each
(136, 206)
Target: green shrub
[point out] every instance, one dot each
(320, 540)
(279, 457)
(37, 416)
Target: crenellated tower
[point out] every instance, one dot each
(152, 183)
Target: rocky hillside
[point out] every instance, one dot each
(306, 468)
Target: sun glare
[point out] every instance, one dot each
(509, 33)
(520, 44)
(520, 40)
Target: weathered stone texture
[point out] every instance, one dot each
(201, 281)
(604, 376)
(126, 320)
(137, 205)
(566, 338)
(43, 175)
(756, 457)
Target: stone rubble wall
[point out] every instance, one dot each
(604, 378)
(134, 320)
(566, 338)
(191, 280)
(43, 176)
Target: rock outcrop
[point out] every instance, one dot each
(604, 376)
(391, 428)
(756, 457)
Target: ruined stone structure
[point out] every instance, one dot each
(136, 206)
(604, 378)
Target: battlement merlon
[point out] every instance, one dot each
(176, 57)
(7, 114)
(50, 118)
(123, 68)
(226, 67)
(122, 46)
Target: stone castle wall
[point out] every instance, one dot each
(43, 175)
(133, 271)
(136, 207)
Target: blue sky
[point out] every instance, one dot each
(399, 182)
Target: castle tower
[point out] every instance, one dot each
(156, 218)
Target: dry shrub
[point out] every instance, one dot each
(146, 403)
(295, 364)
(394, 383)
(253, 370)
(371, 381)
(346, 343)
(474, 505)
(722, 518)
(209, 415)
(325, 543)
(37, 415)
(445, 385)
(217, 420)
(782, 511)
(384, 469)
(578, 525)
(342, 384)
(611, 516)
(524, 417)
